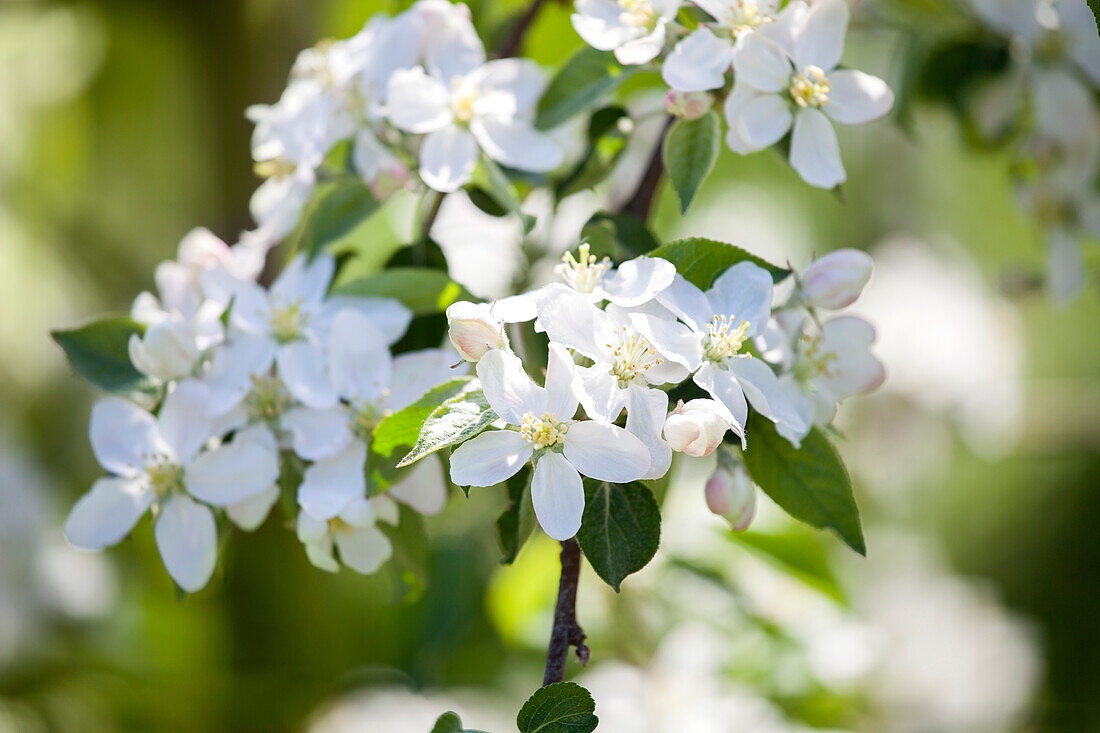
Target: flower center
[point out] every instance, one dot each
(638, 13)
(267, 400)
(274, 168)
(584, 273)
(463, 97)
(724, 338)
(338, 525)
(288, 322)
(632, 357)
(812, 362)
(745, 16)
(543, 432)
(810, 88)
(164, 476)
(364, 419)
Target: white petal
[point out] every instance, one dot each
(736, 102)
(184, 420)
(232, 366)
(820, 43)
(423, 487)
(330, 484)
(521, 78)
(188, 541)
(645, 417)
(363, 549)
(234, 472)
(107, 513)
(606, 452)
(416, 102)
(251, 310)
(638, 281)
(516, 143)
(489, 458)
(561, 402)
(304, 282)
(320, 555)
(451, 45)
(698, 62)
(744, 291)
(251, 513)
(855, 369)
(598, 23)
(761, 387)
(687, 302)
(387, 315)
(815, 153)
(508, 389)
(302, 367)
(722, 385)
(642, 50)
(310, 529)
(557, 496)
(765, 120)
(600, 393)
(416, 372)
(803, 404)
(385, 509)
(520, 308)
(447, 158)
(855, 97)
(761, 63)
(359, 359)
(674, 341)
(124, 436)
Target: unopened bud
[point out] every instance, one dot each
(688, 105)
(201, 249)
(167, 351)
(389, 178)
(836, 280)
(731, 494)
(696, 428)
(474, 330)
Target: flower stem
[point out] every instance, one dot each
(566, 632)
(641, 202)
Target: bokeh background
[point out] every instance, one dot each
(977, 465)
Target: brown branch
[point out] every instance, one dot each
(641, 202)
(567, 632)
(513, 42)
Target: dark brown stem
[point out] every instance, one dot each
(641, 202)
(513, 42)
(567, 632)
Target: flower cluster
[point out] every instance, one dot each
(246, 377)
(783, 63)
(621, 339)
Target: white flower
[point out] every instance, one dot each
(289, 324)
(711, 341)
(563, 448)
(836, 280)
(474, 330)
(631, 284)
(731, 494)
(825, 368)
(159, 460)
(1053, 29)
(487, 108)
(365, 384)
(624, 367)
(697, 428)
(634, 29)
(777, 88)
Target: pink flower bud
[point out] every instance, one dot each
(696, 428)
(388, 179)
(201, 249)
(688, 105)
(836, 280)
(731, 494)
(474, 330)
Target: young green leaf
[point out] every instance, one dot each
(580, 83)
(690, 152)
(99, 352)
(620, 528)
(515, 523)
(702, 260)
(335, 209)
(809, 483)
(459, 418)
(403, 427)
(563, 707)
(424, 291)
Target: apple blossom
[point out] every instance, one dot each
(562, 448)
(634, 29)
(835, 280)
(474, 330)
(731, 494)
(697, 428)
(688, 105)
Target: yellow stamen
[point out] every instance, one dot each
(543, 432)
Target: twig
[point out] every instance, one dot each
(513, 42)
(567, 632)
(641, 202)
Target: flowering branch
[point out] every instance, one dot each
(567, 632)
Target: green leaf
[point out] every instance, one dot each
(608, 132)
(1094, 6)
(448, 723)
(335, 210)
(563, 707)
(619, 236)
(801, 553)
(459, 418)
(403, 427)
(491, 179)
(580, 83)
(809, 483)
(515, 523)
(620, 528)
(690, 152)
(702, 260)
(480, 198)
(425, 292)
(99, 352)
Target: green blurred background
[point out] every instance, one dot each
(122, 127)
